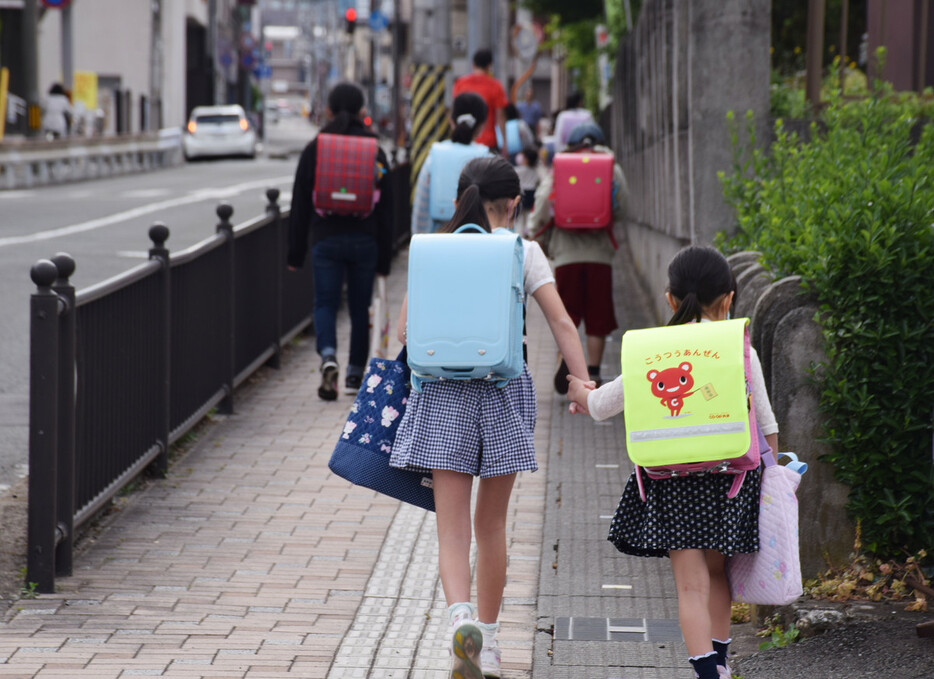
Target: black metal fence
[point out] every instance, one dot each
(123, 369)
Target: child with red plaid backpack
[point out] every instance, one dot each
(341, 199)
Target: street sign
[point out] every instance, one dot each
(56, 4)
(525, 42)
(247, 42)
(602, 35)
(378, 21)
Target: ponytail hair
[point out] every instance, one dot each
(483, 180)
(470, 210)
(469, 112)
(345, 102)
(697, 277)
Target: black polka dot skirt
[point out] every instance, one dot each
(691, 512)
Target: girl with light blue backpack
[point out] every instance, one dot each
(460, 429)
(436, 186)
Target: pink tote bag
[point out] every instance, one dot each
(772, 576)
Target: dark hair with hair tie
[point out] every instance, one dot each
(469, 112)
(345, 102)
(482, 180)
(697, 277)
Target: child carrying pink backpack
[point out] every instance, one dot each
(695, 519)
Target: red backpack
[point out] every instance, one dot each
(345, 175)
(582, 192)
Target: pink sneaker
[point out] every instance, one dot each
(725, 672)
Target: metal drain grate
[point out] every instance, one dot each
(616, 629)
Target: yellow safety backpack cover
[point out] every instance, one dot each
(687, 400)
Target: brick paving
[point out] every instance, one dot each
(252, 560)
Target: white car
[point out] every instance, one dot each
(219, 131)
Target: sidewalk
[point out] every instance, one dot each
(252, 560)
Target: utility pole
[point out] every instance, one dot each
(68, 69)
(815, 51)
(431, 58)
(30, 56)
(397, 123)
(479, 26)
(155, 74)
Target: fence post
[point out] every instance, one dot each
(159, 234)
(272, 210)
(65, 471)
(224, 212)
(43, 425)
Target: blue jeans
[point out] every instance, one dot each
(355, 254)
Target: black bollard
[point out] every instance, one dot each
(43, 428)
(67, 372)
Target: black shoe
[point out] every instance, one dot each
(561, 378)
(328, 389)
(352, 384)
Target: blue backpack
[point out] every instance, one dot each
(447, 159)
(465, 302)
(513, 139)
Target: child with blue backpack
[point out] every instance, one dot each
(691, 519)
(460, 429)
(436, 186)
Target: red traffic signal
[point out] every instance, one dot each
(351, 15)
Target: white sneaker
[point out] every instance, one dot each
(465, 651)
(724, 672)
(490, 661)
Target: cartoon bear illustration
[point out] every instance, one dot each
(672, 386)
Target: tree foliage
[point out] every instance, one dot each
(850, 210)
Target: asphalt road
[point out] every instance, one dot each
(103, 224)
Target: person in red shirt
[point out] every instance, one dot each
(488, 87)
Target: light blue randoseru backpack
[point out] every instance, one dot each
(447, 159)
(465, 303)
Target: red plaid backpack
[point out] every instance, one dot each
(345, 175)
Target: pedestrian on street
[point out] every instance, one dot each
(460, 429)
(691, 519)
(481, 81)
(468, 116)
(518, 134)
(56, 114)
(583, 259)
(531, 111)
(573, 115)
(357, 246)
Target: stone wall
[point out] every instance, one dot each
(686, 63)
(788, 341)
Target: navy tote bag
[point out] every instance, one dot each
(362, 452)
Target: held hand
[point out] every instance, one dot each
(577, 393)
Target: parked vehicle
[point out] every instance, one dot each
(219, 131)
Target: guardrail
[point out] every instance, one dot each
(121, 370)
(37, 163)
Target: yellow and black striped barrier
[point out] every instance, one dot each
(429, 116)
(34, 117)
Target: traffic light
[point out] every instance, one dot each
(350, 20)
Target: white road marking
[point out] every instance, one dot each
(145, 193)
(93, 224)
(133, 254)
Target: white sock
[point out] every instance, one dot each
(463, 610)
(489, 630)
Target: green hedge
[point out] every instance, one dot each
(852, 211)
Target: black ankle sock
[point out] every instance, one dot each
(706, 666)
(594, 370)
(723, 651)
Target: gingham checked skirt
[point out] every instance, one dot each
(469, 426)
